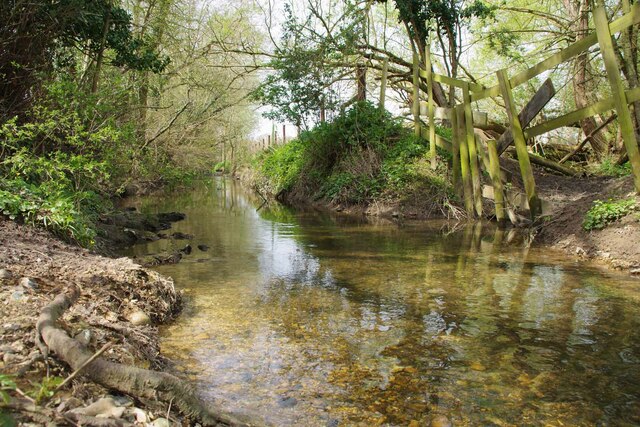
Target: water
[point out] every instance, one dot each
(305, 319)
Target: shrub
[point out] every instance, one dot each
(603, 213)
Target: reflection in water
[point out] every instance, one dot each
(311, 320)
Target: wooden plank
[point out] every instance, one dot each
(494, 172)
(542, 96)
(431, 107)
(383, 83)
(631, 18)
(455, 148)
(535, 207)
(473, 152)
(464, 162)
(619, 96)
(416, 95)
(573, 117)
(441, 142)
(440, 78)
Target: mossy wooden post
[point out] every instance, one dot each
(473, 151)
(383, 83)
(619, 96)
(455, 148)
(535, 207)
(494, 172)
(467, 189)
(416, 94)
(431, 110)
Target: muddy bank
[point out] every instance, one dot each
(119, 303)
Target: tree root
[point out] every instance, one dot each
(140, 383)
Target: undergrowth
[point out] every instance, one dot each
(603, 213)
(363, 155)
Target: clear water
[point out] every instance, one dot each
(307, 319)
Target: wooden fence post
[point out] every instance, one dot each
(619, 96)
(416, 95)
(467, 190)
(535, 206)
(455, 148)
(284, 134)
(473, 152)
(383, 82)
(494, 171)
(431, 108)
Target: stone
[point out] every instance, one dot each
(139, 318)
(5, 274)
(181, 236)
(28, 283)
(141, 416)
(10, 358)
(102, 408)
(203, 248)
(635, 271)
(160, 422)
(186, 250)
(440, 421)
(83, 337)
(17, 296)
(288, 402)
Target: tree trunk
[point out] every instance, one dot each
(578, 11)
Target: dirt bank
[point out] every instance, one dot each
(119, 304)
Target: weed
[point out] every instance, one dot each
(603, 213)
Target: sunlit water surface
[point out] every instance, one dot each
(305, 319)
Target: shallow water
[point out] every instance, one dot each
(308, 319)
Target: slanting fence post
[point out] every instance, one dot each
(432, 124)
(494, 171)
(535, 206)
(416, 95)
(473, 152)
(383, 83)
(619, 96)
(464, 161)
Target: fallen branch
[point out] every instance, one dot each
(140, 383)
(588, 138)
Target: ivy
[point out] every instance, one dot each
(603, 213)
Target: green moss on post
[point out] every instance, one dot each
(619, 96)
(464, 161)
(494, 172)
(432, 124)
(455, 148)
(473, 151)
(535, 206)
(416, 95)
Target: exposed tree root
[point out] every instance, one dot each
(141, 383)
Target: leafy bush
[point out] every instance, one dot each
(361, 155)
(603, 213)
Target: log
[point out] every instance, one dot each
(528, 113)
(550, 164)
(588, 138)
(137, 382)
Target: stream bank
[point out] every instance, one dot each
(118, 309)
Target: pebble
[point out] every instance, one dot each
(29, 283)
(10, 358)
(17, 296)
(160, 422)
(186, 250)
(102, 408)
(440, 421)
(203, 248)
(5, 274)
(141, 416)
(139, 318)
(288, 402)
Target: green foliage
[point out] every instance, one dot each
(603, 213)
(360, 156)
(45, 389)
(609, 167)
(6, 384)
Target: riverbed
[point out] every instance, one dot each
(308, 318)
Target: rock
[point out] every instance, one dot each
(580, 251)
(288, 402)
(69, 404)
(28, 283)
(11, 358)
(130, 209)
(635, 271)
(181, 236)
(139, 318)
(160, 422)
(5, 274)
(203, 248)
(84, 337)
(140, 415)
(186, 250)
(440, 421)
(171, 216)
(395, 214)
(17, 296)
(102, 408)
